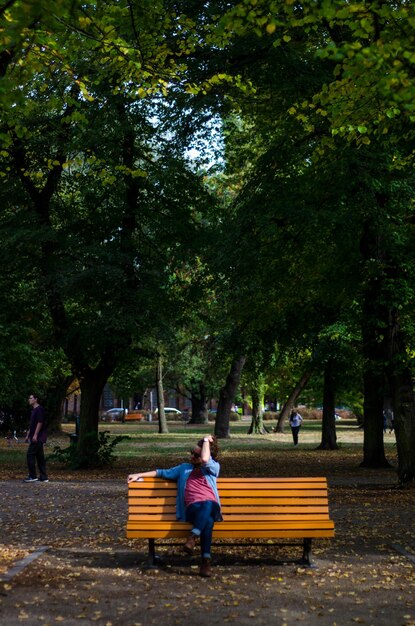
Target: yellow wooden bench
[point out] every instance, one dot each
(252, 508)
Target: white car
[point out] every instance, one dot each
(170, 411)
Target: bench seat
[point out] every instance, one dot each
(252, 508)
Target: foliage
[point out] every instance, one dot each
(233, 417)
(368, 47)
(97, 214)
(129, 249)
(104, 455)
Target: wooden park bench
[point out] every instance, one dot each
(252, 508)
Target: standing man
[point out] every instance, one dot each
(36, 437)
(295, 422)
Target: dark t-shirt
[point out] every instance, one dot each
(38, 415)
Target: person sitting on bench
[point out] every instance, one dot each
(197, 495)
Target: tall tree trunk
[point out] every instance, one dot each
(199, 406)
(227, 398)
(403, 401)
(373, 446)
(160, 397)
(92, 383)
(328, 427)
(291, 401)
(55, 398)
(374, 321)
(404, 424)
(257, 423)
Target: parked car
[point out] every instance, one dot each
(115, 415)
(170, 412)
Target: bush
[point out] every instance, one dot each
(234, 417)
(104, 455)
(310, 413)
(317, 414)
(270, 415)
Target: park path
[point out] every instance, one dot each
(91, 573)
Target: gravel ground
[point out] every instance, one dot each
(89, 572)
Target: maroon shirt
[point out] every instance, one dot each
(197, 488)
(38, 415)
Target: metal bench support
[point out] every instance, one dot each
(307, 559)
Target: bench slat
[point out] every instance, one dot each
(159, 483)
(230, 517)
(238, 500)
(304, 524)
(246, 490)
(227, 510)
(289, 533)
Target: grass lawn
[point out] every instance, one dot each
(146, 446)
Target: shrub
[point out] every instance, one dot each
(104, 455)
(234, 417)
(270, 415)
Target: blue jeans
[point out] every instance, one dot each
(202, 516)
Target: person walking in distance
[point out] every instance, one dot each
(295, 422)
(36, 437)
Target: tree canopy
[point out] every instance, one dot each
(241, 171)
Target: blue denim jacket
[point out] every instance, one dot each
(180, 474)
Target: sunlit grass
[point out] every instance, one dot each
(145, 441)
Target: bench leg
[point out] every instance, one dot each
(306, 559)
(151, 553)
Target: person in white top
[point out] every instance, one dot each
(295, 422)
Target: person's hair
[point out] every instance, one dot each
(214, 448)
(36, 397)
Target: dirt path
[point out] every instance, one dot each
(91, 573)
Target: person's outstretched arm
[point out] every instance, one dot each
(134, 477)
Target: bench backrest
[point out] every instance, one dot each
(241, 499)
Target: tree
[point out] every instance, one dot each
(227, 397)
(345, 64)
(106, 217)
(256, 385)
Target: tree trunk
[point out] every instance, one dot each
(373, 446)
(404, 425)
(403, 401)
(160, 397)
(227, 398)
(55, 398)
(199, 406)
(291, 401)
(328, 427)
(257, 423)
(374, 321)
(92, 384)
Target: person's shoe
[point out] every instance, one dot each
(30, 480)
(189, 546)
(205, 568)
(43, 480)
